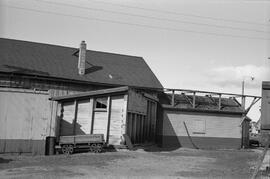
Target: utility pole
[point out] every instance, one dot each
(243, 102)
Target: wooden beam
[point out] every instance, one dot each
(172, 103)
(219, 102)
(93, 115)
(194, 100)
(255, 100)
(75, 117)
(109, 102)
(210, 92)
(187, 99)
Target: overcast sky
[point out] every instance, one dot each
(200, 45)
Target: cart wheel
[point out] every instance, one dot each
(70, 149)
(90, 148)
(99, 148)
(94, 148)
(65, 149)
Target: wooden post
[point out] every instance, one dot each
(194, 100)
(109, 118)
(135, 128)
(75, 117)
(219, 102)
(172, 103)
(93, 114)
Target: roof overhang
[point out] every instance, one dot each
(171, 108)
(91, 93)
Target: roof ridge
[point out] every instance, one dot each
(62, 46)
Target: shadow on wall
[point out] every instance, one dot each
(3, 160)
(65, 128)
(165, 143)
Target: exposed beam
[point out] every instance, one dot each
(219, 102)
(255, 100)
(172, 103)
(209, 92)
(187, 99)
(194, 100)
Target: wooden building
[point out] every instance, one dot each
(31, 73)
(265, 109)
(113, 112)
(205, 122)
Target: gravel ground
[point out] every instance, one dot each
(142, 163)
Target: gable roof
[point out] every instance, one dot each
(202, 103)
(30, 58)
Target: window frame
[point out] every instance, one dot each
(100, 109)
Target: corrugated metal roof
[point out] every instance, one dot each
(202, 103)
(22, 57)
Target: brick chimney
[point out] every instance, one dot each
(82, 56)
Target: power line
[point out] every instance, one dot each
(181, 14)
(134, 24)
(155, 18)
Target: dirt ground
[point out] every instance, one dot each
(150, 163)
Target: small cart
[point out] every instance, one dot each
(92, 142)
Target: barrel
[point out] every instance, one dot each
(50, 144)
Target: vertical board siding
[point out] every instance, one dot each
(116, 119)
(83, 125)
(67, 121)
(137, 103)
(265, 118)
(215, 126)
(100, 125)
(136, 128)
(24, 119)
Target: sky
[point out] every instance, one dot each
(210, 45)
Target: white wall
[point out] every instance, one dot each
(24, 114)
(214, 126)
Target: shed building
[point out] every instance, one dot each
(198, 121)
(113, 112)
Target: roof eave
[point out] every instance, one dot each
(91, 93)
(169, 107)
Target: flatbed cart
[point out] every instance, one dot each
(91, 142)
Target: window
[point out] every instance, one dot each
(101, 104)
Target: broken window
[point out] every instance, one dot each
(101, 104)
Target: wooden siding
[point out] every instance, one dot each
(137, 103)
(265, 118)
(84, 117)
(136, 128)
(67, 121)
(215, 126)
(25, 116)
(116, 119)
